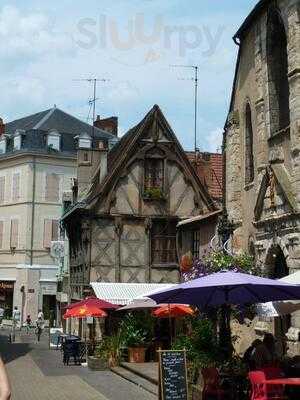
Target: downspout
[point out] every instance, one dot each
(33, 209)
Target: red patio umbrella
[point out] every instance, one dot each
(84, 311)
(93, 301)
(173, 311)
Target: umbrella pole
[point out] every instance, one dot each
(170, 325)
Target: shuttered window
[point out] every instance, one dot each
(163, 242)
(52, 188)
(51, 227)
(14, 233)
(16, 187)
(1, 234)
(2, 189)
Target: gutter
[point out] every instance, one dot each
(33, 210)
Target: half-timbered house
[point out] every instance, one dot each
(122, 228)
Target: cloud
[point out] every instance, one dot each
(25, 36)
(213, 140)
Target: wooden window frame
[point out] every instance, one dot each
(165, 238)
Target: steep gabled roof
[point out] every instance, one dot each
(260, 6)
(55, 118)
(119, 154)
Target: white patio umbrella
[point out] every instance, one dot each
(278, 308)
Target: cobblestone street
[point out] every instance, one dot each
(37, 373)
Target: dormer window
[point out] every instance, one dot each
(53, 140)
(84, 141)
(17, 141)
(3, 145)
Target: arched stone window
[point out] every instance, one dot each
(249, 162)
(277, 58)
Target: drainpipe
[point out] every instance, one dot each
(32, 210)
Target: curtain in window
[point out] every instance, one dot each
(52, 188)
(154, 173)
(14, 232)
(2, 189)
(16, 187)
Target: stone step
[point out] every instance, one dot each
(146, 373)
(136, 379)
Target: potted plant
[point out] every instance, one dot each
(134, 335)
(154, 193)
(107, 353)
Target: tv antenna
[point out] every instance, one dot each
(195, 79)
(92, 101)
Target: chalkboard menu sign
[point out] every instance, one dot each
(173, 375)
(54, 333)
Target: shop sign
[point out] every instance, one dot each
(49, 289)
(6, 285)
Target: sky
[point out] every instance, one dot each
(48, 49)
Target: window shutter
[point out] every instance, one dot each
(47, 233)
(14, 231)
(16, 187)
(1, 234)
(55, 227)
(2, 189)
(52, 187)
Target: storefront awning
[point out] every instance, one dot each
(198, 218)
(124, 293)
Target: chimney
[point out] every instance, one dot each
(2, 127)
(109, 125)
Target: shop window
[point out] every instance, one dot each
(163, 242)
(249, 161)
(277, 58)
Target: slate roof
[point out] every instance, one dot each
(37, 125)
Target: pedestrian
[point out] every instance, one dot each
(39, 328)
(40, 315)
(16, 316)
(28, 323)
(5, 391)
(1, 314)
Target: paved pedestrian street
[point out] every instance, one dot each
(37, 373)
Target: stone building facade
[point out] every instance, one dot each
(122, 226)
(38, 160)
(262, 140)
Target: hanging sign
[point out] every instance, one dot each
(173, 383)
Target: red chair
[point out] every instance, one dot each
(261, 391)
(212, 387)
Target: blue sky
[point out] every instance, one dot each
(46, 46)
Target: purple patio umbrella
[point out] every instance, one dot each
(228, 287)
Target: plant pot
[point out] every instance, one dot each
(136, 354)
(97, 363)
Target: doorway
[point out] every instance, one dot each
(49, 308)
(278, 269)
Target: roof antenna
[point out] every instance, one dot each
(195, 79)
(92, 101)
